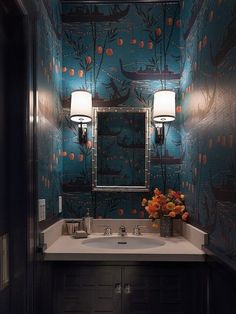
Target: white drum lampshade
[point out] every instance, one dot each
(81, 106)
(164, 106)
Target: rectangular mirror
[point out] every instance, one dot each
(121, 149)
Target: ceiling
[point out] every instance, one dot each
(117, 2)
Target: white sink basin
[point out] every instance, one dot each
(126, 242)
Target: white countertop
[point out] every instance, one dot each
(177, 248)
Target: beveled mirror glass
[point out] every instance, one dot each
(121, 149)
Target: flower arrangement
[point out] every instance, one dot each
(170, 204)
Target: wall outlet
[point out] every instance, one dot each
(4, 261)
(41, 209)
(60, 203)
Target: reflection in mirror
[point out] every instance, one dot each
(121, 149)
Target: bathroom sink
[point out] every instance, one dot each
(127, 242)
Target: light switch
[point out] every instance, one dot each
(60, 203)
(41, 209)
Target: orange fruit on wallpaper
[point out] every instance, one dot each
(133, 41)
(211, 16)
(120, 41)
(72, 72)
(200, 157)
(134, 211)
(178, 109)
(99, 50)
(89, 144)
(141, 214)
(81, 157)
(200, 45)
(150, 44)
(178, 23)
(120, 211)
(169, 21)
(88, 60)
(205, 41)
(80, 73)
(64, 69)
(204, 159)
(109, 51)
(158, 32)
(141, 44)
(71, 156)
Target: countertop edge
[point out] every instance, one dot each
(125, 257)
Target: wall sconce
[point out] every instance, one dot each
(164, 106)
(81, 112)
(163, 111)
(159, 133)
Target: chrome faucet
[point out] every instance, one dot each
(122, 231)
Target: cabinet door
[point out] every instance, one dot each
(159, 290)
(88, 290)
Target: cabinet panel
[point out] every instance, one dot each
(160, 290)
(88, 290)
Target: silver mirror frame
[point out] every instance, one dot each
(125, 188)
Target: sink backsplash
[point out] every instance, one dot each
(145, 225)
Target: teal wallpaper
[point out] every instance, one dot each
(122, 54)
(208, 46)
(49, 115)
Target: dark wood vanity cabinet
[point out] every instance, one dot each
(87, 289)
(149, 288)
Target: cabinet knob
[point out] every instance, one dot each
(118, 288)
(127, 288)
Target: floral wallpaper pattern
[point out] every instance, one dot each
(49, 116)
(122, 54)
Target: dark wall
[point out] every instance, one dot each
(209, 118)
(15, 156)
(4, 216)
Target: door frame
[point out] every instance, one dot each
(28, 10)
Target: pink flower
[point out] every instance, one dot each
(185, 216)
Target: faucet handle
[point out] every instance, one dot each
(122, 230)
(137, 230)
(107, 230)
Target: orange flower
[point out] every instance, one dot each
(178, 209)
(163, 199)
(172, 214)
(152, 209)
